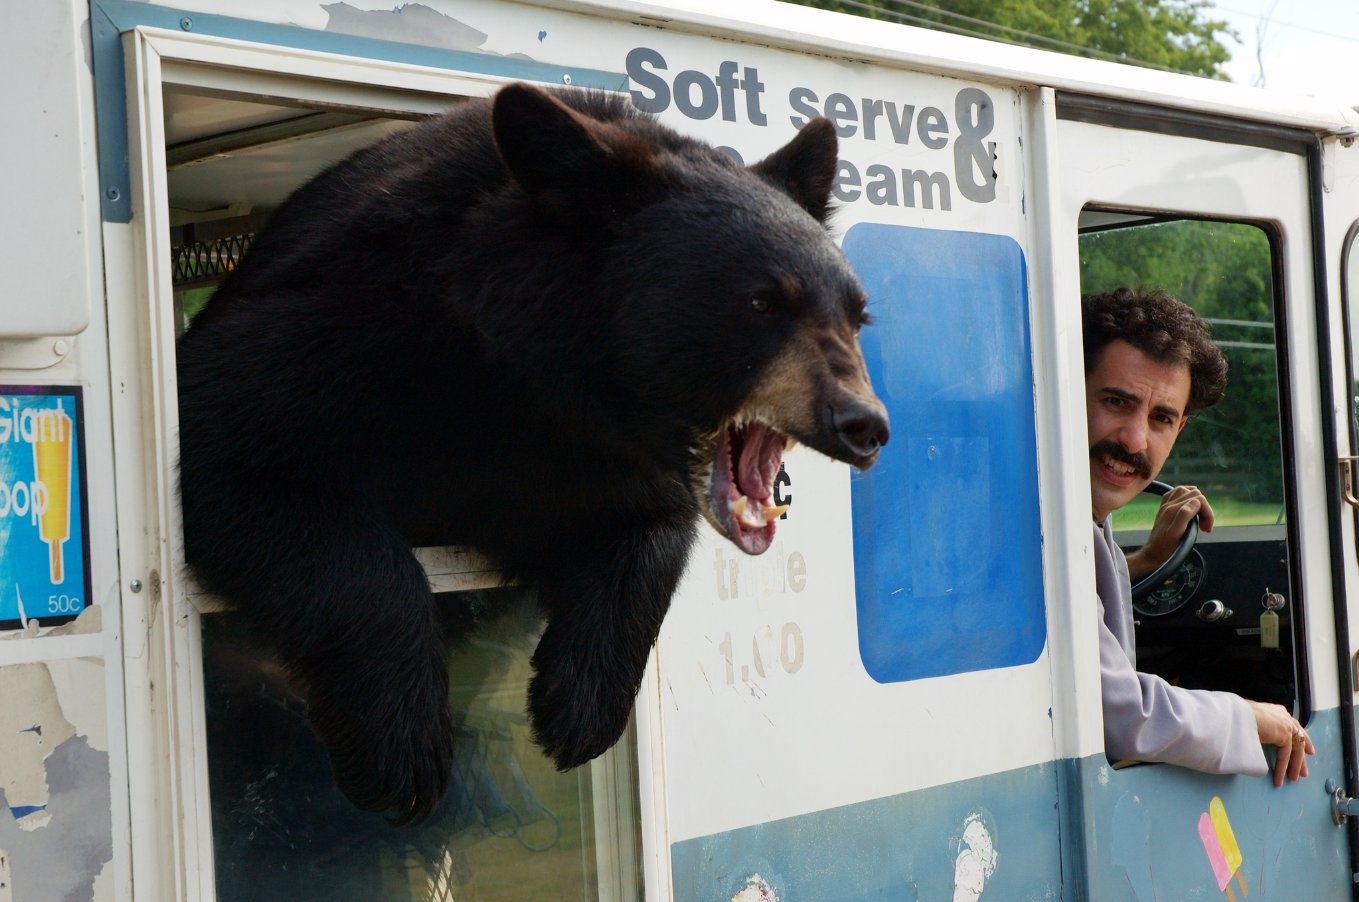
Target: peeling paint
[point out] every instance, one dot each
(32, 725)
(977, 857)
(756, 889)
(410, 23)
(55, 805)
(88, 623)
(61, 858)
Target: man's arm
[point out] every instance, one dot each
(1147, 719)
(1178, 506)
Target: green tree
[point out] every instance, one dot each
(1163, 34)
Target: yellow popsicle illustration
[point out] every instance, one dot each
(1231, 852)
(52, 468)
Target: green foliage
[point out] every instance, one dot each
(1162, 34)
(1140, 513)
(193, 300)
(1223, 271)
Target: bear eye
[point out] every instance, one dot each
(764, 304)
(858, 307)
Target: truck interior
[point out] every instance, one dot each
(511, 826)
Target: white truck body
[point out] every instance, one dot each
(901, 698)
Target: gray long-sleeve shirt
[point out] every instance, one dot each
(1146, 718)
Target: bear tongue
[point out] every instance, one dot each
(760, 455)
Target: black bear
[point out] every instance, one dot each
(542, 325)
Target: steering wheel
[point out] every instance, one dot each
(1144, 586)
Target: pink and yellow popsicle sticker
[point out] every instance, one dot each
(1219, 843)
(52, 469)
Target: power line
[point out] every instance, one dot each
(1286, 24)
(1262, 44)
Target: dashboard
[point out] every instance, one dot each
(1186, 639)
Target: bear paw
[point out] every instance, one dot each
(577, 720)
(390, 745)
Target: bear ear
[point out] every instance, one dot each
(805, 167)
(565, 161)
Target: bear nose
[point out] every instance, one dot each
(861, 427)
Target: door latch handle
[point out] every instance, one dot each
(1342, 806)
(1347, 480)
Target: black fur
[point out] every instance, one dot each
(519, 326)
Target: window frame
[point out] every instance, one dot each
(1297, 600)
(170, 830)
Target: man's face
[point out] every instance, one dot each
(1135, 409)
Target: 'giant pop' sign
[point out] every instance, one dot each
(44, 558)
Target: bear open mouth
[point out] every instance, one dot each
(741, 488)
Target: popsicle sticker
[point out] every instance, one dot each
(1219, 844)
(52, 470)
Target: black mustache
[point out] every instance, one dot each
(1115, 450)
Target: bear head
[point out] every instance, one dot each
(732, 314)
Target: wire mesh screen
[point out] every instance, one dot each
(206, 262)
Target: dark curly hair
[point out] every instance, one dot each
(1163, 328)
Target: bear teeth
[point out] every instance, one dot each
(773, 513)
(755, 514)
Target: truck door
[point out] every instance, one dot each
(1339, 193)
(1219, 213)
(230, 796)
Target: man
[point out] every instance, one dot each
(1149, 364)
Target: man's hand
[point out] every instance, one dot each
(1178, 506)
(1278, 728)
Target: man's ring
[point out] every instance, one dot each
(1300, 735)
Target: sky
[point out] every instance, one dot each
(1304, 46)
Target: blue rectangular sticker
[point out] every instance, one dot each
(44, 529)
(947, 546)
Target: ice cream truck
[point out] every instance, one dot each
(901, 698)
